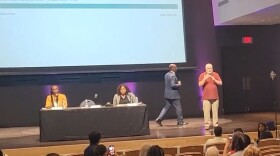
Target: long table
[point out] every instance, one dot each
(76, 123)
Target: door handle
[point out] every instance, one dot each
(248, 83)
(244, 83)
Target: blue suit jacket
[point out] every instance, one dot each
(171, 90)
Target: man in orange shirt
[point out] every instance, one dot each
(56, 99)
(209, 81)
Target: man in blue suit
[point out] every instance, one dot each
(171, 95)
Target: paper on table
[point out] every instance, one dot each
(132, 104)
(95, 106)
(56, 108)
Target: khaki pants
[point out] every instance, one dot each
(207, 105)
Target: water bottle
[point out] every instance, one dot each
(86, 105)
(136, 100)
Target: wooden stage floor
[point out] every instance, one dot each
(23, 137)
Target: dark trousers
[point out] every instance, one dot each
(176, 103)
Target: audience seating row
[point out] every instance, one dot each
(195, 150)
(270, 147)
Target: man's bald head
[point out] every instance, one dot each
(172, 67)
(209, 68)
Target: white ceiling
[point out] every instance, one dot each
(266, 16)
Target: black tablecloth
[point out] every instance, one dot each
(77, 123)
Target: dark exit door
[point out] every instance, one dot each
(247, 86)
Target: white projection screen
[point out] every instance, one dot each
(78, 33)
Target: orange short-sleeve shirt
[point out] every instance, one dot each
(210, 89)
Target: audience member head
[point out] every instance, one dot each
(247, 140)
(100, 150)
(218, 131)
(263, 132)
(252, 150)
(172, 67)
(262, 127)
(94, 138)
(122, 89)
(144, 150)
(239, 141)
(155, 151)
(52, 154)
(212, 151)
(238, 130)
(1, 153)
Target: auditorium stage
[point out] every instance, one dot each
(21, 137)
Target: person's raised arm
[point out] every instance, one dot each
(202, 79)
(226, 148)
(217, 80)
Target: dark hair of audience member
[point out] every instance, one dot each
(144, 150)
(239, 141)
(94, 137)
(218, 131)
(52, 154)
(155, 151)
(264, 125)
(238, 130)
(1, 153)
(265, 133)
(247, 140)
(100, 150)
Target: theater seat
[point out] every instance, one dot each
(190, 150)
(171, 150)
(270, 141)
(132, 152)
(220, 146)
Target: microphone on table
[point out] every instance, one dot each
(95, 98)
